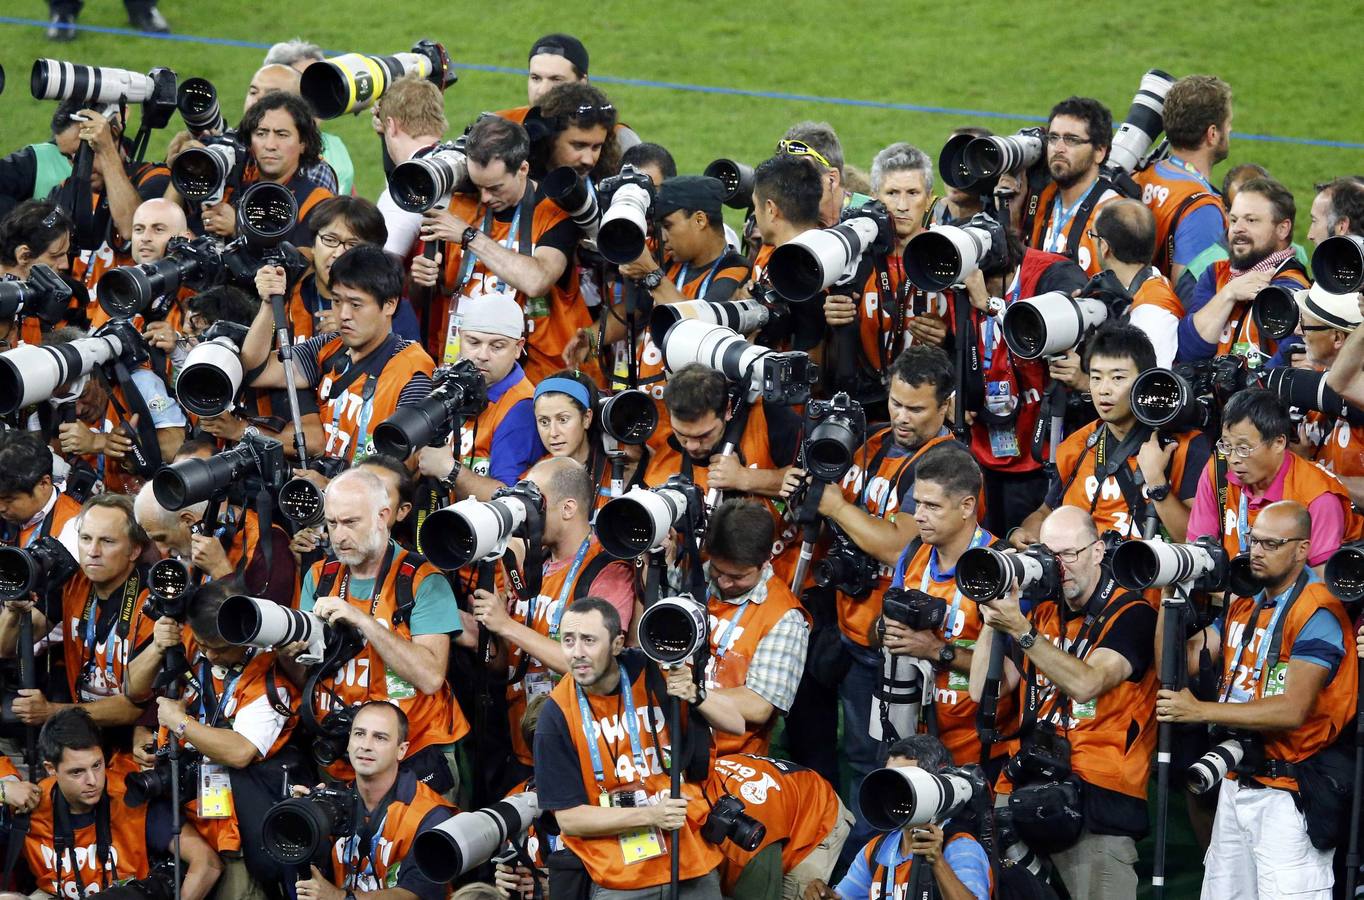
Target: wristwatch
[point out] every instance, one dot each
(469, 234)
(995, 306)
(1027, 640)
(946, 655)
(700, 695)
(448, 482)
(652, 280)
(1157, 492)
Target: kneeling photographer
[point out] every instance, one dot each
(232, 718)
(365, 830)
(86, 835)
(1082, 663)
(941, 835)
(1286, 690)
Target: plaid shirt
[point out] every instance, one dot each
(775, 670)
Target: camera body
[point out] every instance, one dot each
(41, 567)
(914, 609)
(1044, 757)
(158, 781)
(44, 296)
(458, 392)
(834, 430)
(728, 821)
(300, 830)
(847, 568)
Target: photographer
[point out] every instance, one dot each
(574, 125)
(947, 487)
(406, 614)
(101, 618)
(363, 371)
(574, 567)
(31, 507)
(155, 222)
(1260, 244)
(818, 144)
(1079, 137)
(518, 242)
(700, 407)
(236, 708)
(283, 143)
(36, 232)
(1260, 471)
(1085, 670)
(32, 171)
(1189, 214)
(84, 836)
(1337, 209)
(566, 419)
(490, 338)
(394, 807)
(410, 119)
(1326, 321)
(806, 823)
(1286, 688)
(599, 753)
(1124, 244)
(185, 535)
(786, 196)
(1143, 470)
(882, 868)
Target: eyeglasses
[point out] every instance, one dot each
(1070, 557)
(1240, 452)
(800, 148)
(330, 240)
(1272, 544)
(1070, 140)
(1307, 328)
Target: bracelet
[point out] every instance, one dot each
(180, 729)
(1009, 538)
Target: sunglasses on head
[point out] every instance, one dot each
(800, 148)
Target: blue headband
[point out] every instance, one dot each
(563, 385)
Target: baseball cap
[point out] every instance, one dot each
(565, 45)
(493, 314)
(690, 192)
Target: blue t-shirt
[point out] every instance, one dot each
(166, 412)
(434, 609)
(516, 442)
(965, 856)
(1193, 347)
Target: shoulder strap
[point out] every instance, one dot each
(590, 573)
(272, 694)
(1080, 223)
(1167, 252)
(407, 573)
(371, 365)
(1276, 639)
(326, 579)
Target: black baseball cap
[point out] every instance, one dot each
(565, 45)
(690, 192)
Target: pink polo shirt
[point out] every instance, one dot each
(1328, 515)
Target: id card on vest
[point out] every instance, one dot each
(640, 844)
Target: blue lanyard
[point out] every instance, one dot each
(728, 638)
(1176, 161)
(466, 265)
(988, 353)
(206, 684)
(931, 572)
(562, 601)
(1243, 525)
(353, 848)
(631, 726)
(705, 282)
(1061, 219)
(1263, 654)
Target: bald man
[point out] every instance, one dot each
(1106, 676)
(1125, 240)
(155, 222)
(271, 78)
(1297, 695)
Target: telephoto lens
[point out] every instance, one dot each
(31, 374)
(816, 260)
(169, 578)
(42, 565)
(1142, 565)
(1050, 324)
(469, 839)
(53, 79)
(1165, 400)
(212, 375)
(253, 622)
(44, 295)
(945, 255)
(720, 348)
(673, 630)
(985, 574)
(629, 416)
(987, 158)
(834, 431)
(742, 316)
(195, 480)
(1305, 389)
(471, 530)
(458, 392)
(1275, 311)
(428, 182)
(1208, 772)
(197, 99)
(1338, 263)
(1344, 572)
(641, 519)
(624, 228)
(1145, 121)
(737, 179)
(298, 830)
(352, 82)
(302, 503)
(267, 213)
(202, 174)
(901, 796)
(573, 194)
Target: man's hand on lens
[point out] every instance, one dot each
(638, 268)
(1066, 369)
(335, 611)
(1154, 459)
(426, 272)
(680, 683)
(1005, 615)
(926, 841)
(182, 141)
(436, 462)
(726, 473)
(76, 437)
(1243, 288)
(220, 220)
(928, 329)
(839, 310)
(270, 280)
(318, 480)
(160, 335)
(144, 753)
(318, 888)
(31, 707)
(792, 481)
(208, 555)
(227, 426)
(1177, 706)
(305, 540)
(901, 641)
(442, 225)
(166, 634)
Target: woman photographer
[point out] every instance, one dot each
(565, 416)
(36, 232)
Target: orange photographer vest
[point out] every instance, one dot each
(799, 808)
(378, 868)
(1085, 254)
(603, 856)
(349, 420)
(1113, 736)
(901, 877)
(890, 485)
(557, 593)
(128, 851)
(95, 663)
(1241, 333)
(1332, 709)
(952, 703)
(754, 451)
(476, 437)
(1304, 482)
(433, 719)
(63, 511)
(735, 632)
(1077, 461)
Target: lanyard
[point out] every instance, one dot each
(91, 630)
(207, 696)
(705, 282)
(466, 266)
(562, 600)
(949, 622)
(1061, 218)
(352, 855)
(377, 593)
(1243, 524)
(631, 725)
(728, 638)
(1263, 653)
(1176, 161)
(1014, 292)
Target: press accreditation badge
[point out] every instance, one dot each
(451, 355)
(642, 843)
(215, 791)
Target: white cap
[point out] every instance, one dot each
(493, 314)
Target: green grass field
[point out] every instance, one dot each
(972, 55)
(1008, 58)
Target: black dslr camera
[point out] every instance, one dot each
(847, 569)
(44, 296)
(256, 463)
(333, 735)
(169, 589)
(458, 392)
(41, 567)
(834, 429)
(300, 830)
(157, 782)
(1045, 756)
(914, 609)
(727, 819)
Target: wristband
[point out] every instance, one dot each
(469, 234)
(180, 729)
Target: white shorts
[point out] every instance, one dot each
(1260, 850)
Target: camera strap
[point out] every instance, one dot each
(518, 238)
(629, 721)
(1271, 644)
(64, 840)
(361, 846)
(90, 625)
(1099, 611)
(146, 451)
(371, 365)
